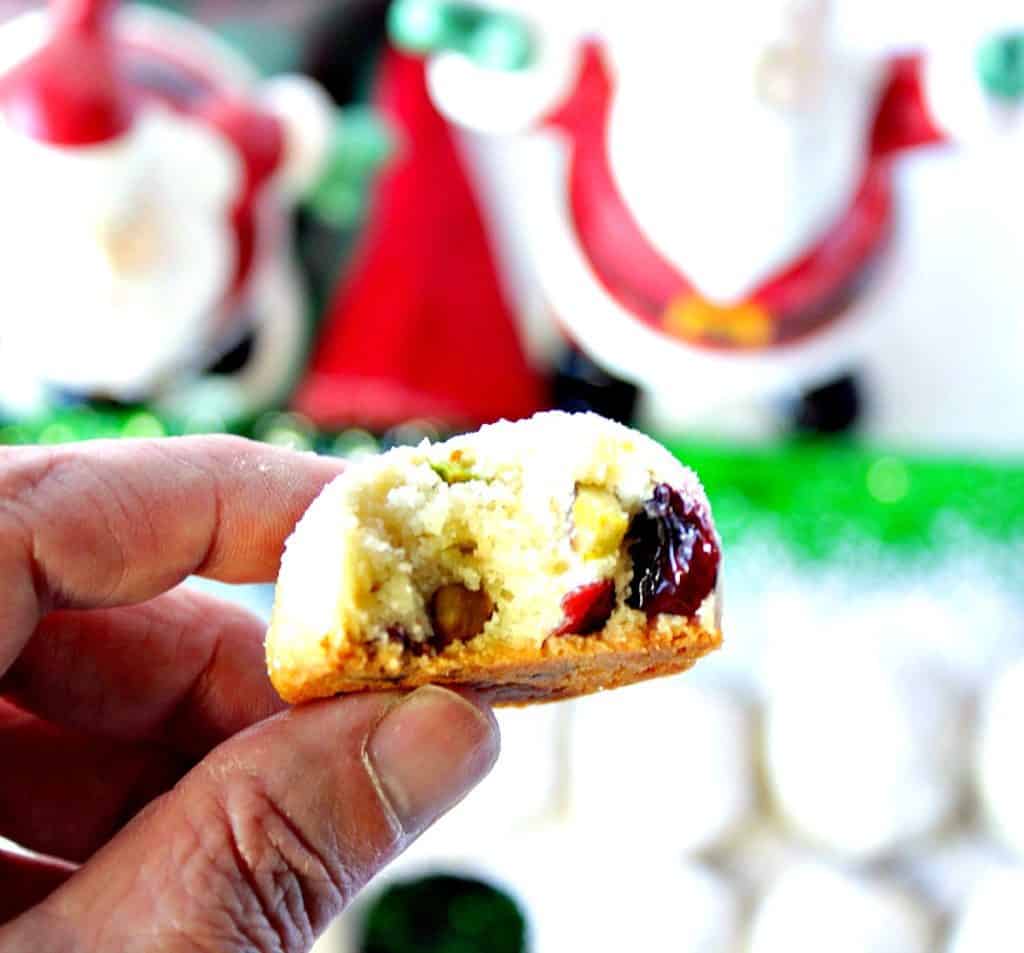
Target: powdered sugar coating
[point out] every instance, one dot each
(492, 511)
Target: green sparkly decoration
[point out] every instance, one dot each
(77, 422)
(493, 40)
(354, 444)
(289, 431)
(143, 424)
(443, 914)
(824, 499)
(1001, 66)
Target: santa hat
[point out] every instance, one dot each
(420, 328)
(68, 93)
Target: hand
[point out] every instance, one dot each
(140, 737)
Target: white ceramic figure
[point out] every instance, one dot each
(946, 871)
(146, 205)
(991, 919)
(999, 764)
(583, 894)
(813, 907)
(761, 853)
(580, 893)
(681, 753)
(864, 752)
(722, 200)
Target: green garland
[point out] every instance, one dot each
(826, 498)
(820, 498)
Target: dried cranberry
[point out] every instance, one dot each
(675, 555)
(586, 609)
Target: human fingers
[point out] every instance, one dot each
(184, 670)
(263, 843)
(66, 794)
(113, 523)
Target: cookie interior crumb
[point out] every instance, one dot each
(475, 543)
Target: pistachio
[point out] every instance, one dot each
(599, 523)
(458, 614)
(458, 468)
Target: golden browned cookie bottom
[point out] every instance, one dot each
(565, 667)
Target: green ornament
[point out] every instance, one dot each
(143, 424)
(419, 26)
(501, 42)
(361, 143)
(291, 431)
(498, 41)
(1001, 66)
(443, 914)
(354, 444)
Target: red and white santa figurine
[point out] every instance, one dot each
(147, 177)
(724, 195)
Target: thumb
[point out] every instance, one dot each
(268, 839)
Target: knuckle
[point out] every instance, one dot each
(55, 501)
(24, 475)
(284, 890)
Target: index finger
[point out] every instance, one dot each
(118, 522)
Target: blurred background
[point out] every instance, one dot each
(785, 237)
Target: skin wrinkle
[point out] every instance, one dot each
(97, 500)
(224, 771)
(273, 873)
(20, 538)
(394, 821)
(210, 523)
(77, 475)
(292, 889)
(20, 609)
(201, 686)
(213, 493)
(246, 866)
(74, 486)
(32, 474)
(238, 912)
(160, 720)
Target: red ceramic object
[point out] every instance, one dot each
(69, 92)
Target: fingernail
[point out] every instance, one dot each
(428, 752)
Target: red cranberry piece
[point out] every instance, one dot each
(675, 555)
(586, 609)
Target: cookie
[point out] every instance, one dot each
(528, 561)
